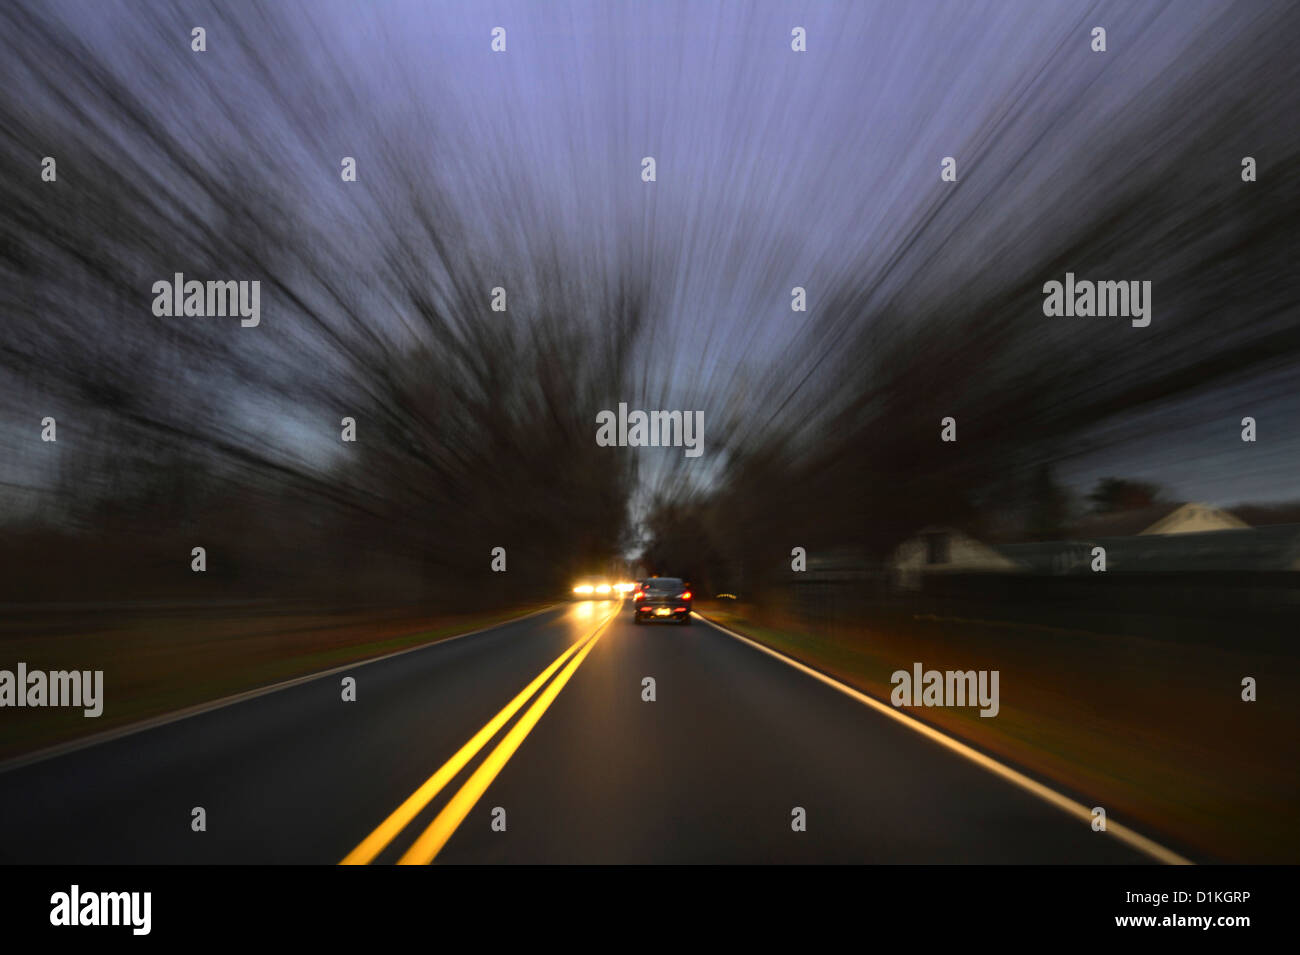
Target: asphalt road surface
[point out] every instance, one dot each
(581, 770)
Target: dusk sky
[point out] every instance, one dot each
(773, 171)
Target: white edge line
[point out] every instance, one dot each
(1120, 831)
(130, 729)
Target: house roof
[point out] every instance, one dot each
(1125, 523)
(1155, 519)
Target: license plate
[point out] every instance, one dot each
(663, 612)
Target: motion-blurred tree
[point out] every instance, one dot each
(1121, 494)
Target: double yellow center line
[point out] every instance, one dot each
(431, 841)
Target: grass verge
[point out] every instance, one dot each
(158, 662)
(1155, 732)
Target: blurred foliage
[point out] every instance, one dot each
(1094, 167)
(1121, 494)
(473, 426)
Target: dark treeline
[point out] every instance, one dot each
(472, 426)
(841, 452)
(475, 427)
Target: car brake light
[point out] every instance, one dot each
(680, 610)
(686, 595)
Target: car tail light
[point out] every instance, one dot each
(685, 595)
(680, 610)
(639, 595)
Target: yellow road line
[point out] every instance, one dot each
(388, 830)
(432, 840)
(1124, 834)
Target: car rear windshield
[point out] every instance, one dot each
(664, 583)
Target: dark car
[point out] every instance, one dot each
(662, 599)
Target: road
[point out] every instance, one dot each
(711, 771)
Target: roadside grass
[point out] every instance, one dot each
(158, 663)
(1155, 732)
